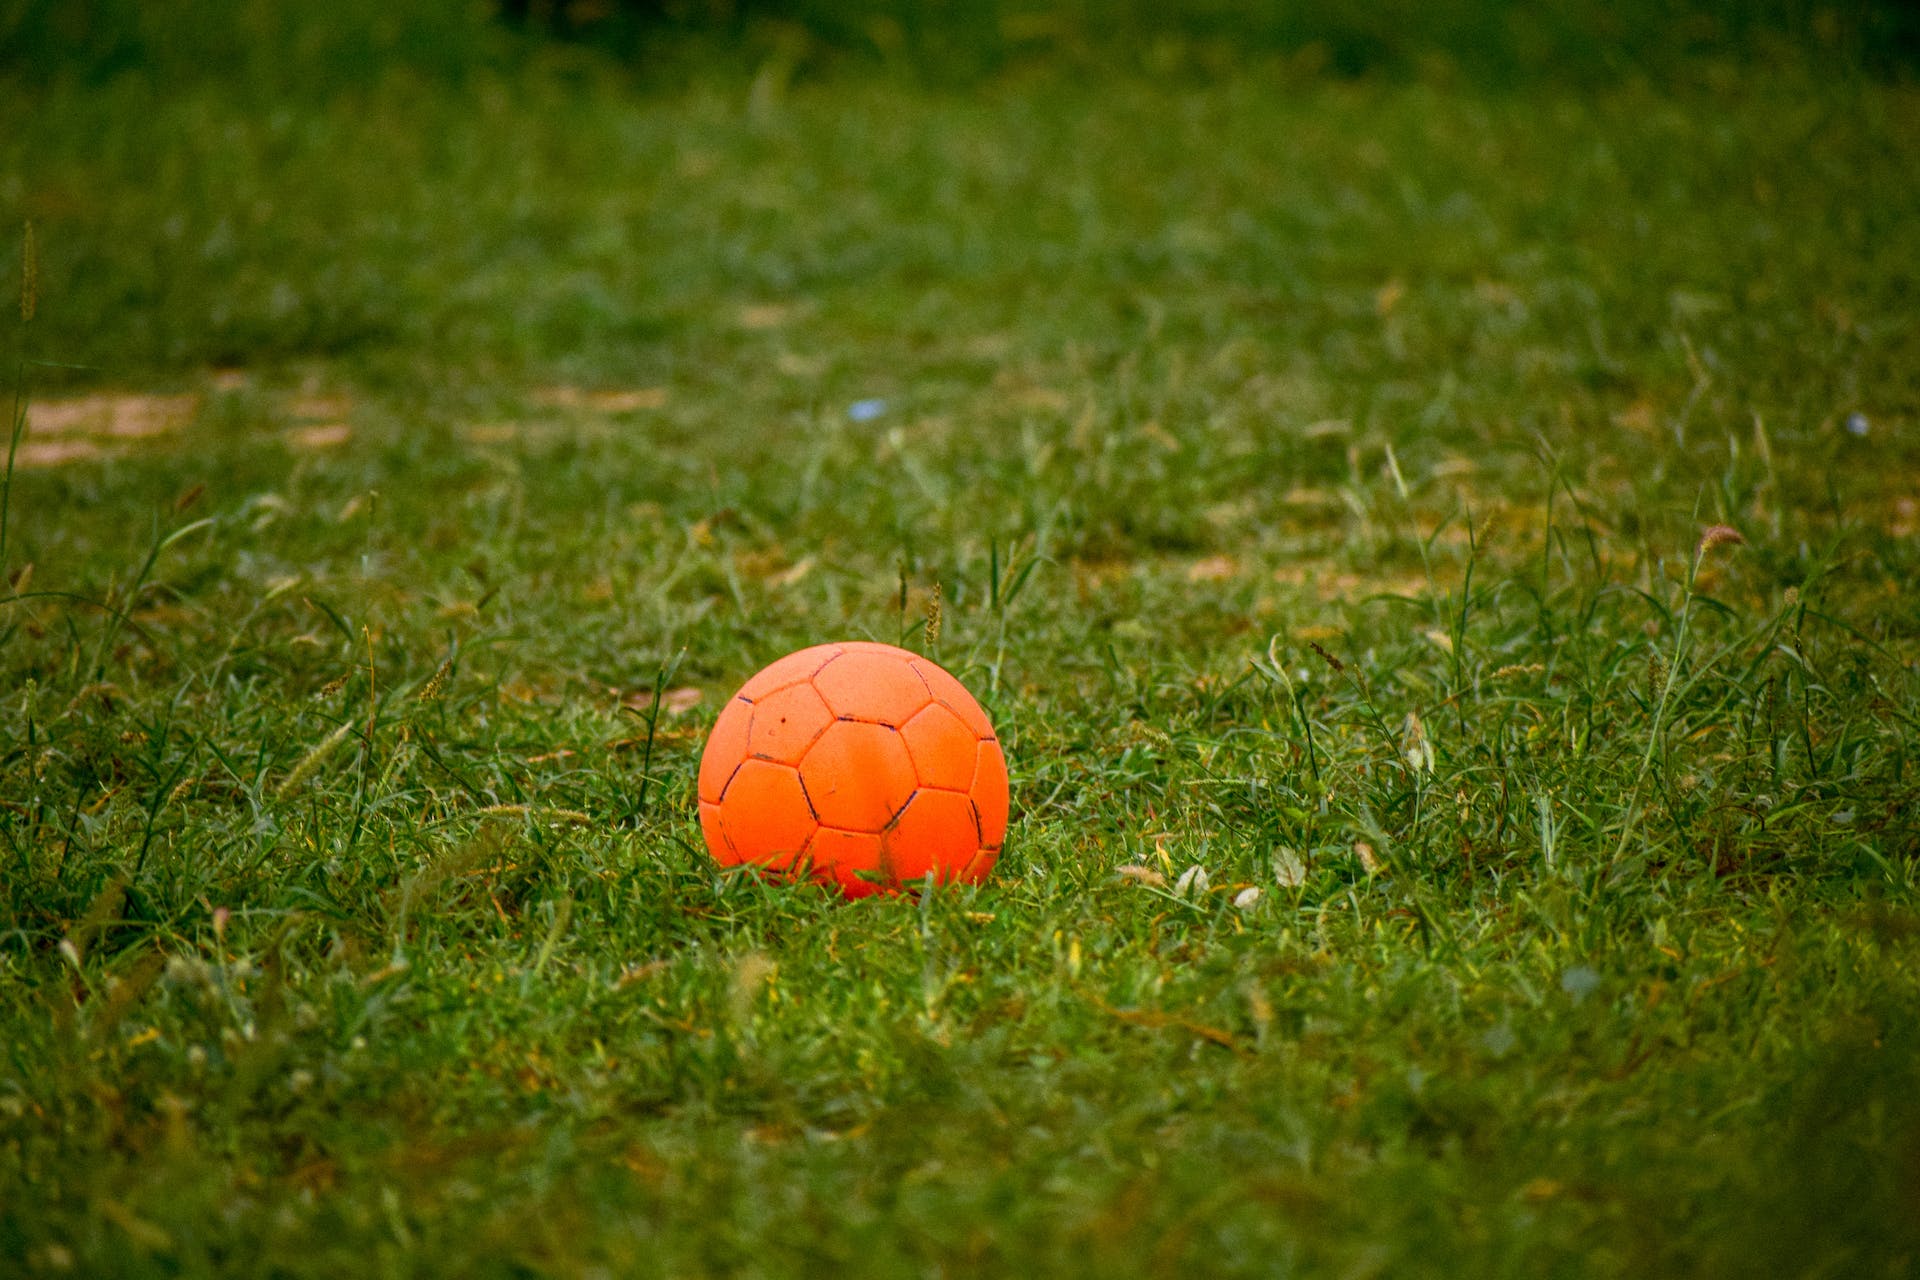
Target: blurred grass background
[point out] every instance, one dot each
(280, 49)
(478, 188)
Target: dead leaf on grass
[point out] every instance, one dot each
(1288, 871)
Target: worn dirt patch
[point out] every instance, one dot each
(327, 435)
(116, 415)
(632, 400)
(86, 428)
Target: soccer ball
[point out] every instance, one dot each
(860, 765)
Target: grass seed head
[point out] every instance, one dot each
(436, 684)
(1719, 535)
(311, 762)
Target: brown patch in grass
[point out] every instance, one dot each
(112, 414)
(318, 407)
(1212, 569)
(1333, 584)
(631, 400)
(86, 428)
(329, 435)
(766, 315)
(56, 453)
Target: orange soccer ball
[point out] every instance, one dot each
(862, 765)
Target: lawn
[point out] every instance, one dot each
(1440, 556)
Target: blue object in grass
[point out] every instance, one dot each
(866, 410)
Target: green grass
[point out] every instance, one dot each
(1361, 436)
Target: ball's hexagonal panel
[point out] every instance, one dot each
(935, 832)
(726, 748)
(841, 857)
(944, 750)
(717, 843)
(765, 814)
(872, 683)
(786, 722)
(990, 796)
(955, 695)
(792, 669)
(858, 775)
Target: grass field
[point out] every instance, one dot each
(1317, 478)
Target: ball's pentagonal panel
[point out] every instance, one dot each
(726, 748)
(935, 832)
(858, 775)
(955, 695)
(786, 722)
(850, 859)
(872, 682)
(716, 835)
(944, 750)
(792, 669)
(764, 814)
(990, 796)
